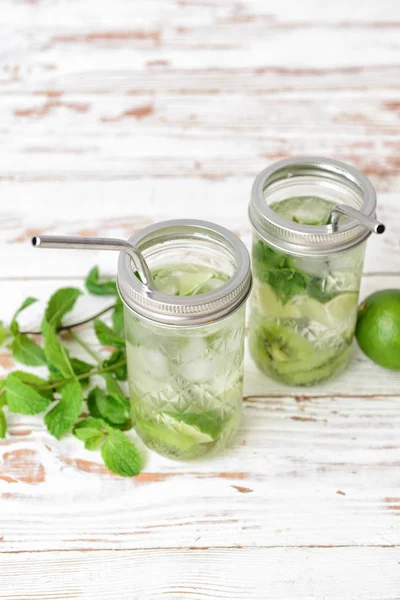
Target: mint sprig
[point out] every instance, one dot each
(120, 455)
(279, 271)
(63, 416)
(62, 396)
(23, 398)
(97, 287)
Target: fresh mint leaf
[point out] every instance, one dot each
(116, 357)
(2, 392)
(26, 351)
(3, 424)
(114, 410)
(60, 303)
(3, 333)
(79, 367)
(97, 287)
(14, 325)
(64, 415)
(118, 318)
(112, 386)
(120, 455)
(288, 283)
(316, 290)
(55, 352)
(265, 254)
(34, 381)
(107, 336)
(91, 431)
(23, 399)
(265, 260)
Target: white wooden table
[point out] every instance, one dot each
(115, 114)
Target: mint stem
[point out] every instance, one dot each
(68, 327)
(91, 352)
(85, 375)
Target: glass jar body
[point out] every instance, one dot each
(185, 383)
(303, 312)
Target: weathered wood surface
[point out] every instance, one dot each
(118, 114)
(204, 574)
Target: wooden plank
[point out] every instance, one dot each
(303, 471)
(196, 90)
(175, 136)
(118, 209)
(251, 573)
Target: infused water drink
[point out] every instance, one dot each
(186, 386)
(185, 363)
(303, 308)
(307, 267)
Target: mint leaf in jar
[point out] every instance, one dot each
(288, 283)
(97, 287)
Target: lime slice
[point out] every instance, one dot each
(306, 210)
(212, 284)
(185, 429)
(267, 304)
(168, 284)
(340, 312)
(343, 308)
(163, 438)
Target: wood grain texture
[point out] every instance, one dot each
(219, 574)
(117, 115)
(173, 89)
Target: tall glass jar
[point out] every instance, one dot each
(306, 277)
(185, 353)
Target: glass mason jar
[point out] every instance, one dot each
(185, 352)
(306, 277)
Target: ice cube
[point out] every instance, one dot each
(199, 369)
(148, 368)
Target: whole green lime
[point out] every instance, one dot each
(378, 328)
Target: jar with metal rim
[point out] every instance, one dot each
(311, 217)
(185, 336)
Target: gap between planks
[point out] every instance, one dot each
(203, 548)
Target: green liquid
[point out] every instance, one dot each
(186, 385)
(303, 309)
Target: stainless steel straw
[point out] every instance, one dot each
(355, 215)
(97, 243)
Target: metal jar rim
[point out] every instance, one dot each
(310, 239)
(185, 310)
